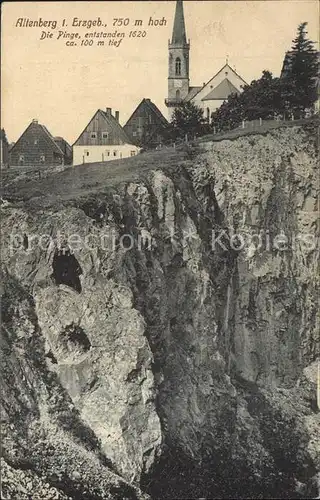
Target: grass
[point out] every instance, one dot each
(84, 180)
(263, 129)
(80, 182)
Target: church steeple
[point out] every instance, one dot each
(178, 77)
(179, 29)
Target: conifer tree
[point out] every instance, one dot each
(302, 71)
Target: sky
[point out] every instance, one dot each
(63, 85)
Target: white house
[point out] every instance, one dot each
(103, 140)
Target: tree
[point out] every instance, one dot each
(302, 68)
(188, 119)
(261, 99)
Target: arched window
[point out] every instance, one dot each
(178, 66)
(178, 94)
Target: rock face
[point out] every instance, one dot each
(165, 331)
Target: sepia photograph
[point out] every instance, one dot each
(160, 333)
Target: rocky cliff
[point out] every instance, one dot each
(160, 331)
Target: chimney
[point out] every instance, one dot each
(117, 115)
(108, 111)
(34, 121)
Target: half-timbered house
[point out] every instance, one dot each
(147, 127)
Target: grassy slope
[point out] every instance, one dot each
(81, 181)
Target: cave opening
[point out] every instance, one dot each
(66, 270)
(76, 335)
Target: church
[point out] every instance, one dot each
(210, 95)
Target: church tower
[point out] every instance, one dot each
(178, 76)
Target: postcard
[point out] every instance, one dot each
(160, 246)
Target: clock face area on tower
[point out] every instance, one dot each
(177, 84)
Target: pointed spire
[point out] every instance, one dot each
(179, 29)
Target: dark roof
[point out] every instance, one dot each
(111, 122)
(153, 108)
(192, 92)
(157, 111)
(40, 128)
(222, 91)
(179, 29)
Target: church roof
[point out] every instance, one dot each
(226, 68)
(221, 91)
(179, 29)
(192, 92)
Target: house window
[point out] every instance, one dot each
(21, 159)
(178, 66)
(93, 135)
(42, 158)
(115, 153)
(134, 134)
(36, 142)
(86, 153)
(107, 153)
(132, 153)
(105, 135)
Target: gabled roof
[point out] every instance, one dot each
(192, 92)
(39, 129)
(157, 111)
(153, 108)
(224, 68)
(179, 29)
(111, 121)
(222, 91)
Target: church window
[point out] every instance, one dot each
(178, 66)
(178, 94)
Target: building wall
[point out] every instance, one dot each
(34, 148)
(91, 154)
(209, 106)
(65, 148)
(215, 81)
